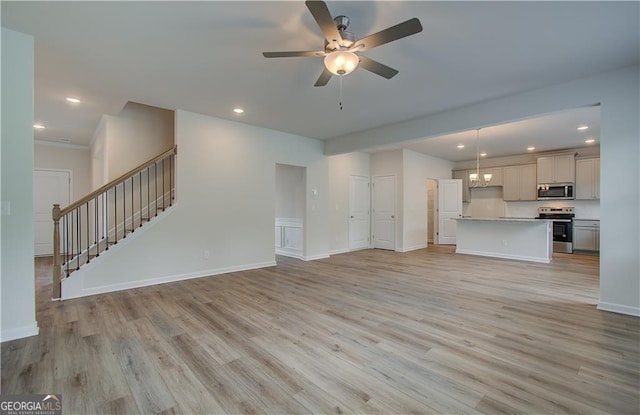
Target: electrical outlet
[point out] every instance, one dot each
(504, 242)
(205, 255)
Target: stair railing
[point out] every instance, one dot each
(89, 226)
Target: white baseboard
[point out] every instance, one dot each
(20, 332)
(619, 308)
(412, 248)
(290, 253)
(504, 256)
(74, 288)
(315, 257)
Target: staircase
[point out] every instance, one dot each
(88, 227)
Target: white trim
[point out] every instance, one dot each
(75, 289)
(315, 257)
(412, 248)
(60, 144)
(504, 256)
(20, 332)
(343, 251)
(290, 253)
(619, 308)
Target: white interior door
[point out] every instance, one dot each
(449, 209)
(49, 187)
(359, 217)
(384, 212)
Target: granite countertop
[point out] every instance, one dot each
(506, 219)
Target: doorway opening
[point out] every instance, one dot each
(290, 208)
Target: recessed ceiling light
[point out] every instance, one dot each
(38, 126)
(73, 100)
(483, 154)
(460, 145)
(590, 140)
(531, 148)
(583, 127)
(238, 110)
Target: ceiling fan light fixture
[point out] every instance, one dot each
(341, 62)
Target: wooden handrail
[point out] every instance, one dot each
(115, 182)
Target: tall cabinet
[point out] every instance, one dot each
(519, 182)
(588, 178)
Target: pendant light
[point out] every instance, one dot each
(474, 178)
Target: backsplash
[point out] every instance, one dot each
(584, 209)
(487, 202)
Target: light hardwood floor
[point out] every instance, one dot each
(369, 332)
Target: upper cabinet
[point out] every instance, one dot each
(557, 169)
(496, 175)
(588, 178)
(464, 176)
(519, 182)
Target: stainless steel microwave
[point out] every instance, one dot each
(555, 191)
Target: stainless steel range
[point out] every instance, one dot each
(562, 226)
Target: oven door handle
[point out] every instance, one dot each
(562, 220)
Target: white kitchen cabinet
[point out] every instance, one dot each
(464, 176)
(519, 182)
(496, 175)
(289, 237)
(588, 178)
(556, 169)
(586, 235)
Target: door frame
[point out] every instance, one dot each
(395, 209)
(44, 169)
(433, 232)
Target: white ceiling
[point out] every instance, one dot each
(206, 57)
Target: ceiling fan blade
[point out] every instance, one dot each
(324, 78)
(323, 18)
(292, 54)
(404, 29)
(377, 68)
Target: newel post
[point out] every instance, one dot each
(57, 259)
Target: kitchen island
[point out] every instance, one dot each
(525, 239)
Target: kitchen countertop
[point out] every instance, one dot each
(507, 219)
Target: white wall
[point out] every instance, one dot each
(17, 283)
(78, 160)
(97, 150)
(341, 167)
(617, 92)
(290, 192)
(139, 133)
(417, 169)
(225, 205)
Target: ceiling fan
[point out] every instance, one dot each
(341, 47)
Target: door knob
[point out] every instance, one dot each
(351, 217)
(393, 216)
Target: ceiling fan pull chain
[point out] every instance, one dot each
(340, 97)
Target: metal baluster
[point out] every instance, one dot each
(97, 228)
(65, 233)
(78, 243)
(140, 194)
(124, 210)
(115, 214)
(171, 180)
(105, 210)
(148, 194)
(132, 218)
(155, 175)
(88, 240)
(163, 191)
